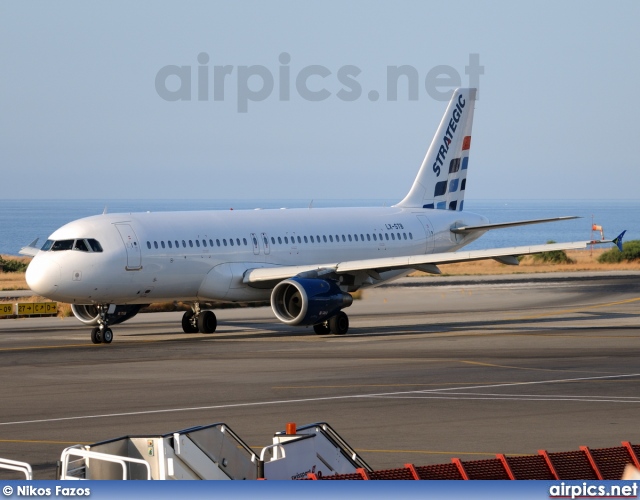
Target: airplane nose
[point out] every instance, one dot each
(43, 276)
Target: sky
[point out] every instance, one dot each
(296, 100)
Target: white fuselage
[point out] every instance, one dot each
(191, 256)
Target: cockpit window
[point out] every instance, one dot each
(95, 245)
(62, 245)
(88, 245)
(81, 245)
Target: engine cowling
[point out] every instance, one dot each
(88, 313)
(307, 301)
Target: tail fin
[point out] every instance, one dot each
(442, 178)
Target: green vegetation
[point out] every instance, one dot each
(553, 257)
(630, 252)
(13, 266)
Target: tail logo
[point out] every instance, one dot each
(456, 114)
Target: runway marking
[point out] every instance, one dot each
(307, 400)
(428, 452)
(586, 307)
(492, 365)
(507, 397)
(38, 441)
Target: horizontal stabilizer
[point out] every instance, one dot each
(502, 225)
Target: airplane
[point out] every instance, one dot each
(306, 262)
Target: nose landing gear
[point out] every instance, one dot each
(102, 333)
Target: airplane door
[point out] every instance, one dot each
(131, 245)
(256, 245)
(265, 240)
(428, 229)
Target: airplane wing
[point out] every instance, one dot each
(419, 262)
(30, 249)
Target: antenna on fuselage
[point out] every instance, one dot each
(104, 212)
(311, 204)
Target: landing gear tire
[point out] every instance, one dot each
(339, 324)
(322, 328)
(188, 325)
(107, 335)
(207, 322)
(96, 335)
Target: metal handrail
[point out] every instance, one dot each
(81, 452)
(273, 446)
(23, 467)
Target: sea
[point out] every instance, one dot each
(22, 221)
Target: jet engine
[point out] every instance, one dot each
(89, 315)
(307, 301)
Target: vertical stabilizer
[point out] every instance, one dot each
(442, 179)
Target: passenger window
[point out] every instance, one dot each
(368, 237)
(238, 241)
(305, 240)
(204, 243)
(361, 237)
(311, 239)
(149, 245)
(344, 239)
(286, 240)
(184, 245)
(410, 236)
(191, 243)
(324, 237)
(162, 244)
(349, 237)
(169, 243)
(210, 243)
(231, 241)
(218, 242)
(355, 236)
(80, 245)
(62, 245)
(197, 243)
(331, 238)
(273, 240)
(244, 240)
(299, 240)
(279, 240)
(393, 236)
(224, 242)
(155, 244)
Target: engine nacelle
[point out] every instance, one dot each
(307, 301)
(88, 313)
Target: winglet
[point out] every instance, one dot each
(618, 240)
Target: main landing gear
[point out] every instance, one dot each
(195, 321)
(338, 325)
(102, 333)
